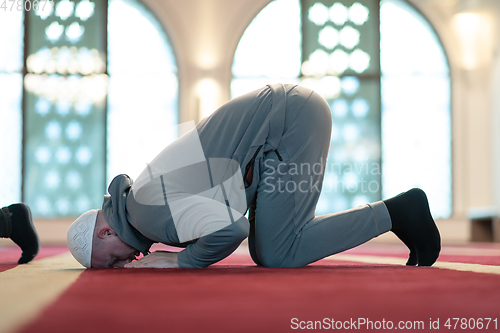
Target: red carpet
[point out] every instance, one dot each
(232, 297)
(236, 296)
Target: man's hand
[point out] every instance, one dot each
(157, 259)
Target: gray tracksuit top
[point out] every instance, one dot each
(242, 130)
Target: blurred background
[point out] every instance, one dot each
(91, 88)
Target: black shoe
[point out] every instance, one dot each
(23, 232)
(413, 224)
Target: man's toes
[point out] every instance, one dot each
(427, 257)
(26, 257)
(412, 259)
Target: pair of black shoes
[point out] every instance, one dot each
(413, 224)
(16, 223)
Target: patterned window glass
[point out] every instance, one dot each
(341, 61)
(336, 47)
(142, 101)
(332, 48)
(100, 94)
(416, 131)
(11, 63)
(65, 107)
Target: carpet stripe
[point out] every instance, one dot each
(27, 289)
(9, 255)
(477, 268)
(368, 259)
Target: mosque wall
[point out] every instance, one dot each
(469, 34)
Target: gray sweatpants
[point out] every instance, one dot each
(284, 231)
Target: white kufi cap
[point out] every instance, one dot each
(80, 236)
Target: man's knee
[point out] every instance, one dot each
(272, 260)
(269, 261)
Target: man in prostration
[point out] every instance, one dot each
(244, 156)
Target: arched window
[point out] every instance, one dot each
(270, 49)
(416, 120)
(143, 88)
(389, 92)
(99, 79)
